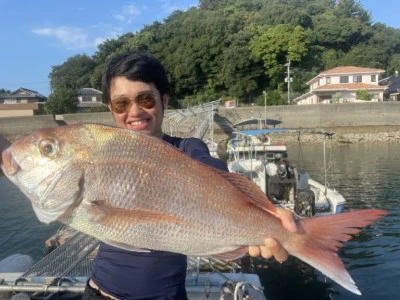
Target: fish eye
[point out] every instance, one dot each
(48, 147)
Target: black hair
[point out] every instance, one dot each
(136, 66)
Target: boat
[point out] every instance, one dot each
(63, 273)
(253, 155)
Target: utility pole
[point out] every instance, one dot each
(288, 81)
(265, 109)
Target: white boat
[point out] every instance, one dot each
(252, 154)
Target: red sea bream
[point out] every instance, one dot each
(136, 191)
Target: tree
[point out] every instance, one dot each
(4, 92)
(74, 73)
(279, 44)
(336, 97)
(364, 95)
(394, 65)
(62, 101)
(343, 26)
(238, 47)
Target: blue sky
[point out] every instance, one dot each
(36, 35)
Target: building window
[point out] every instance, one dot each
(344, 79)
(373, 78)
(10, 101)
(328, 80)
(86, 98)
(357, 78)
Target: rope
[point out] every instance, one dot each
(242, 285)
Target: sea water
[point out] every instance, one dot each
(368, 176)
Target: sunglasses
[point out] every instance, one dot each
(122, 105)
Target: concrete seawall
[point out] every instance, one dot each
(322, 115)
(361, 118)
(25, 125)
(352, 122)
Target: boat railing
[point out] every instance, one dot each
(68, 267)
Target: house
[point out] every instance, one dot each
(392, 93)
(22, 96)
(89, 98)
(341, 85)
(21, 102)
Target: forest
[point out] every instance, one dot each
(236, 49)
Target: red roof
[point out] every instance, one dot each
(349, 86)
(351, 70)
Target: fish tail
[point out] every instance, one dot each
(321, 237)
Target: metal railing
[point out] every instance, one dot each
(194, 121)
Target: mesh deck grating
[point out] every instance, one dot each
(69, 266)
(72, 259)
(75, 257)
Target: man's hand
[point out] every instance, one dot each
(272, 247)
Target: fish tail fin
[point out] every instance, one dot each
(323, 236)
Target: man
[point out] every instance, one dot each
(136, 90)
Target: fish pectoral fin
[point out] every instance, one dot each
(103, 214)
(125, 246)
(232, 255)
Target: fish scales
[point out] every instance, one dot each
(135, 191)
(170, 192)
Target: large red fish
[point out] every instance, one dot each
(135, 191)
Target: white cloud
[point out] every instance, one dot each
(74, 38)
(127, 14)
(170, 6)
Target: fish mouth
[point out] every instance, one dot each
(8, 164)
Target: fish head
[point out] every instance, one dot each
(47, 167)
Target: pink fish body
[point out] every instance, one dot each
(135, 191)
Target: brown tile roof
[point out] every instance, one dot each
(351, 70)
(349, 86)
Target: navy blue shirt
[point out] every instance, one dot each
(155, 274)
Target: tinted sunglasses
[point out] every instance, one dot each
(122, 105)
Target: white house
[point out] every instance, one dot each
(22, 96)
(89, 97)
(341, 85)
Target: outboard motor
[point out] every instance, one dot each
(304, 204)
(280, 179)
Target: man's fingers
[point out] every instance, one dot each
(281, 255)
(287, 219)
(254, 251)
(270, 248)
(266, 252)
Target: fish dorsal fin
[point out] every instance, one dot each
(254, 194)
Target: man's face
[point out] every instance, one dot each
(136, 96)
